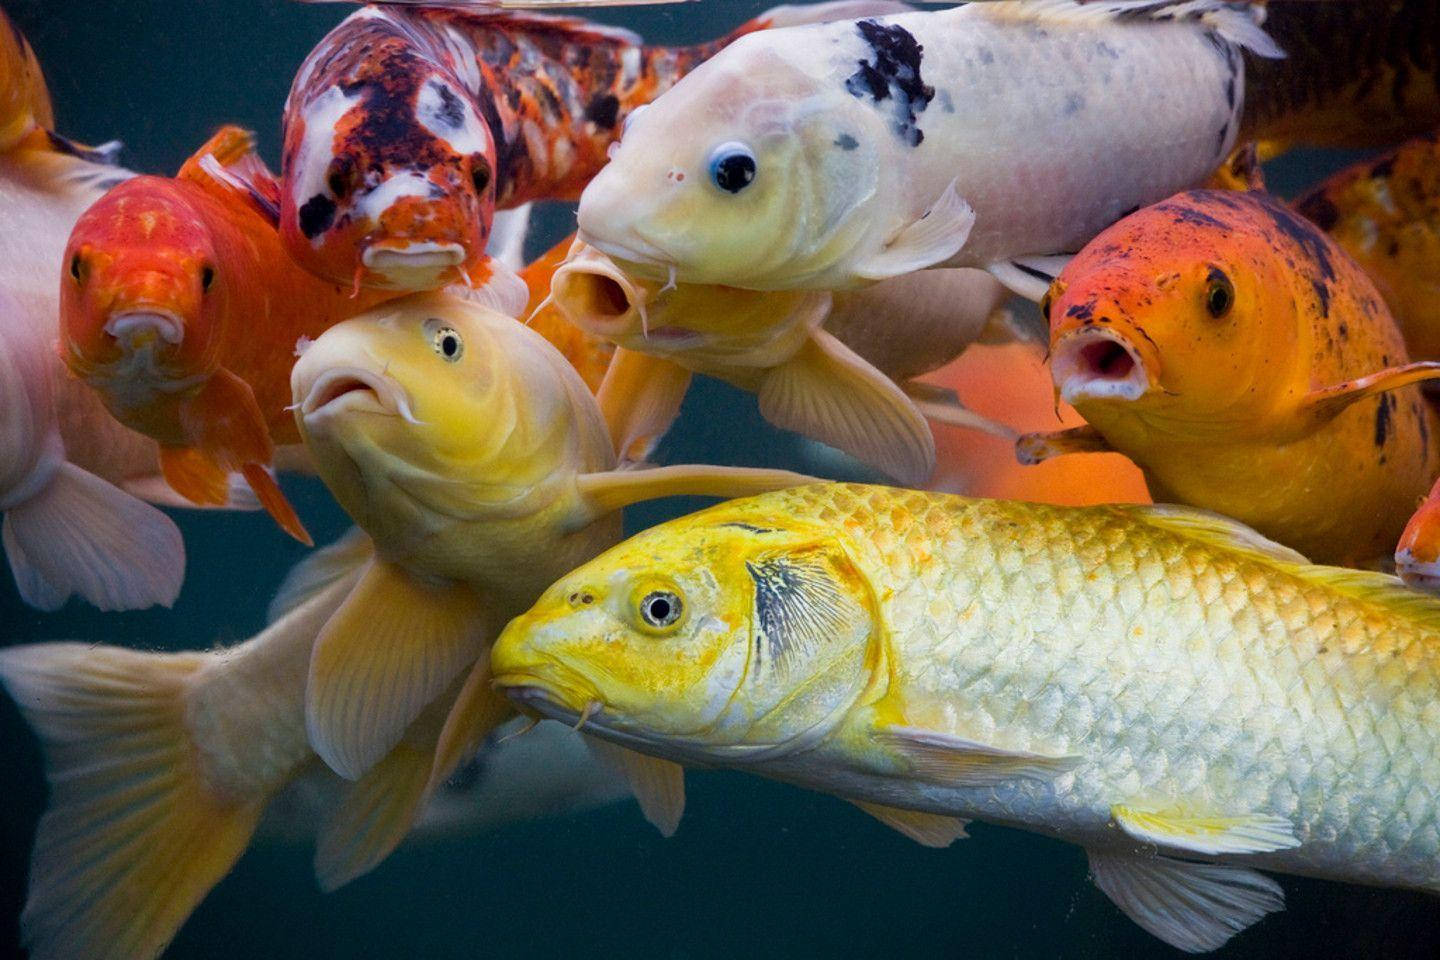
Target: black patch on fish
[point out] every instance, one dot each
(1304, 233)
(1318, 209)
(1185, 213)
(603, 110)
(1424, 430)
(1344, 330)
(846, 142)
(1032, 272)
(749, 527)
(1383, 168)
(1382, 418)
(1082, 311)
(1322, 293)
(452, 111)
(799, 608)
(316, 216)
(894, 74)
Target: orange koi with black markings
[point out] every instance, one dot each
(179, 306)
(1248, 366)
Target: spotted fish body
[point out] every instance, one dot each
(961, 137)
(1386, 214)
(406, 128)
(1158, 686)
(1354, 74)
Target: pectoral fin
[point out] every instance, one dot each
(228, 166)
(1194, 907)
(477, 710)
(1029, 277)
(829, 392)
(658, 785)
(604, 493)
(954, 761)
(943, 406)
(926, 829)
(936, 237)
(640, 398)
(392, 647)
(314, 574)
(1324, 405)
(1035, 448)
(1249, 833)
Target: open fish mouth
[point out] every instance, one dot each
(598, 300)
(134, 329)
(1095, 364)
(344, 388)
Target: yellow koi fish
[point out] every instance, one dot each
(1188, 701)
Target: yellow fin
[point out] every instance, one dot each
(954, 761)
(133, 838)
(607, 492)
(640, 398)
(1324, 405)
(926, 829)
(1251, 833)
(318, 571)
(658, 785)
(1213, 529)
(931, 240)
(829, 392)
(393, 647)
(477, 710)
(1194, 907)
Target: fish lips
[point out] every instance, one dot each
(338, 390)
(417, 266)
(145, 326)
(1097, 363)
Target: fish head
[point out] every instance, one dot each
(1170, 312)
(735, 629)
(389, 176)
(143, 288)
(431, 406)
(748, 172)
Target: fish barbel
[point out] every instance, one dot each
(1184, 699)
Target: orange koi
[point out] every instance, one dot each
(180, 307)
(1248, 366)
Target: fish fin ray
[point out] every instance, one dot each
(944, 758)
(229, 166)
(927, 829)
(829, 392)
(640, 399)
(195, 476)
(133, 838)
(392, 648)
(495, 287)
(607, 492)
(82, 535)
(152, 488)
(1329, 402)
(658, 785)
(477, 710)
(951, 412)
(1236, 24)
(929, 241)
(273, 500)
(1195, 907)
(1212, 528)
(1207, 835)
(326, 566)
(106, 154)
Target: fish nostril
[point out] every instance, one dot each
(1107, 360)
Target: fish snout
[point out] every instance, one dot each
(1097, 363)
(424, 265)
(143, 328)
(335, 390)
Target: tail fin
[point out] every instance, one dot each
(133, 837)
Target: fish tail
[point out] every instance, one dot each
(133, 837)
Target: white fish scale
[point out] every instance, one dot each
(1183, 676)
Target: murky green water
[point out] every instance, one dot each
(757, 869)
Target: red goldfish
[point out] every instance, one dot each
(180, 307)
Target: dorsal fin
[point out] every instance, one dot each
(228, 166)
(1236, 23)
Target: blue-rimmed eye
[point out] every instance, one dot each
(732, 167)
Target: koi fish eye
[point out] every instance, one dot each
(661, 609)
(341, 179)
(1219, 294)
(480, 176)
(448, 343)
(207, 277)
(732, 167)
(77, 269)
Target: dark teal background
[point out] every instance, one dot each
(757, 869)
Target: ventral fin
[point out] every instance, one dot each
(926, 829)
(229, 167)
(658, 785)
(1195, 907)
(1326, 404)
(936, 237)
(640, 398)
(1211, 836)
(954, 761)
(1035, 448)
(392, 648)
(829, 392)
(607, 492)
(195, 476)
(477, 710)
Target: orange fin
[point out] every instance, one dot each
(268, 492)
(234, 169)
(1324, 405)
(640, 398)
(195, 476)
(1036, 448)
(1417, 556)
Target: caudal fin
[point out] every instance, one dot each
(81, 535)
(133, 838)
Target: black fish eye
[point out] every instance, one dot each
(1219, 294)
(448, 344)
(207, 277)
(75, 268)
(732, 167)
(341, 179)
(480, 176)
(660, 608)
